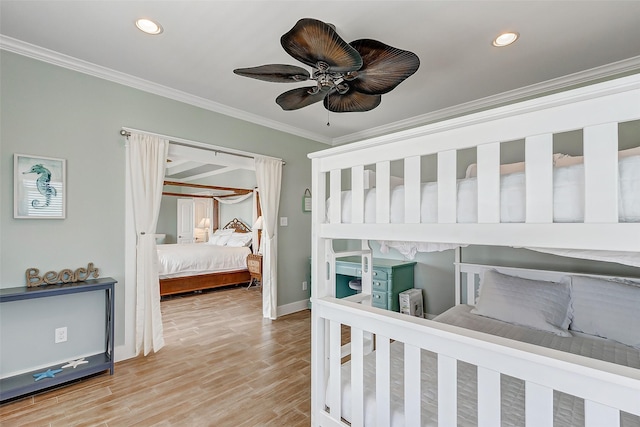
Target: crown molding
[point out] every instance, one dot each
(55, 58)
(604, 72)
(598, 90)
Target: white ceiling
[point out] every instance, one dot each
(203, 41)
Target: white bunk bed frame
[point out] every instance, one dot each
(606, 388)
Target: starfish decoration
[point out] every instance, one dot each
(74, 363)
(47, 374)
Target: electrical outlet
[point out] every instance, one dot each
(304, 286)
(61, 335)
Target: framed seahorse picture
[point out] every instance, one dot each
(39, 187)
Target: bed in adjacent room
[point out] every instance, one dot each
(221, 261)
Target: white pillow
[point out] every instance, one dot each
(220, 237)
(220, 240)
(606, 308)
(533, 303)
(220, 232)
(238, 240)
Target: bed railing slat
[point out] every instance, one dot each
(597, 415)
(335, 393)
(357, 377)
(447, 391)
(329, 269)
(357, 194)
(412, 190)
(539, 178)
(471, 289)
(488, 397)
(538, 405)
(383, 381)
(412, 389)
(447, 187)
(489, 183)
(335, 190)
(319, 375)
(383, 173)
(319, 199)
(601, 173)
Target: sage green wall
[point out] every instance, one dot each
(55, 112)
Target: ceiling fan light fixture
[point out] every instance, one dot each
(354, 75)
(148, 26)
(505, 39)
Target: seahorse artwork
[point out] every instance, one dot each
(43, 186)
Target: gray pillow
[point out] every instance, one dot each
(607, 308)
(533, 303)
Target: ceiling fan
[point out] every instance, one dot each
(350, 77)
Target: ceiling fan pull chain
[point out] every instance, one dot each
(328, 124)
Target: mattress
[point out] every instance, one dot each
(190, 259)
(568, 410)
(568, 197)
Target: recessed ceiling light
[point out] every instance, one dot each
(505, 39)
(148, 26)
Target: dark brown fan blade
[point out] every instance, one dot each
(310, 41)
(384, 67)
(351, 102)
(278, 73)
(298, 98)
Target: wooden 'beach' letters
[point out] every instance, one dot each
(64, 276)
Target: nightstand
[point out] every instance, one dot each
(254, 264)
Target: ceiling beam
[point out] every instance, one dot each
(208, 174)
(209, 187)
(211, 157)
(181, 166)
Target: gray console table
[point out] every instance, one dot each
(23, 384)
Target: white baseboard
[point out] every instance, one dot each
(293, 307)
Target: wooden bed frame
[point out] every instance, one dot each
(179, 285)
(607, 389)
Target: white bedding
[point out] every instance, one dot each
(568, 410)
(189, 259)
(568, 197)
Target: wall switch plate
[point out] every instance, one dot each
(304, 286)
(284, 221)
(61, 335)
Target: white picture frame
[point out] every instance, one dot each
(39, 187)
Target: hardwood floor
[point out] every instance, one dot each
(222, 365)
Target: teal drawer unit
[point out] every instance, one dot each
(389, 278)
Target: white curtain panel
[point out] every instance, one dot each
(254, 219)
(148, 155)
(269, 180)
